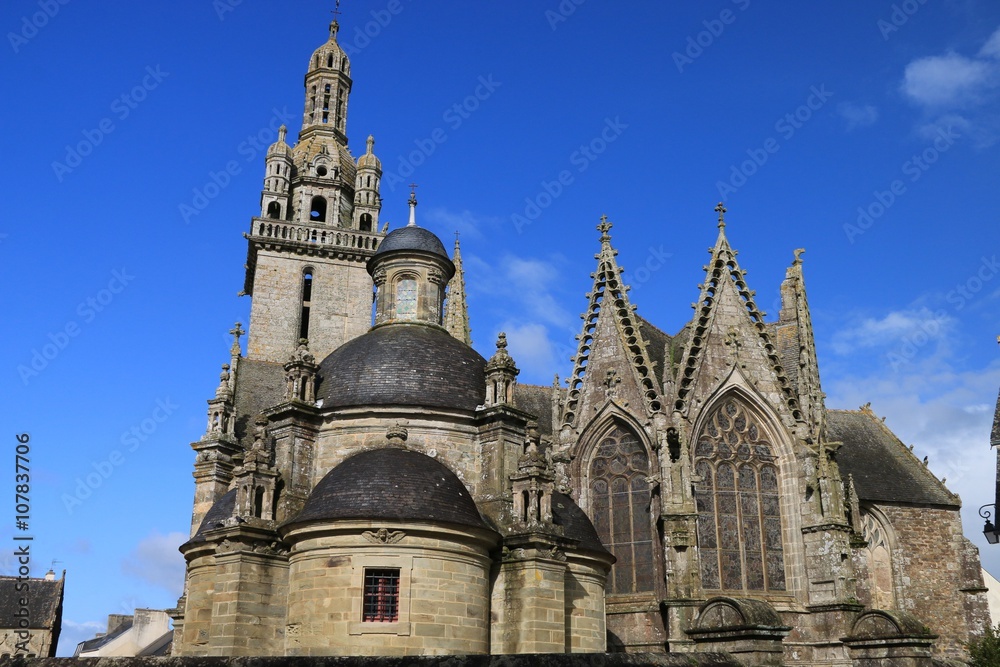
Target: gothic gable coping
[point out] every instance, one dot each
(724, 273)
(609, 295)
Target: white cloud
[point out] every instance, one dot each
(991, 49)
(857, 115)
(944, 410)
(156, 561)
(465, 222)
(892, 330)
(947, 81)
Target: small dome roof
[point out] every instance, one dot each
(412, 238)
(404, 364)
(575, 523)
(368, 160)
(330, 47)
(219, 512)
(391, 484)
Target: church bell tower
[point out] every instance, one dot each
(307, 251)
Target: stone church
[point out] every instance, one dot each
(369, 484)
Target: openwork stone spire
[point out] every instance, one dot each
(609, 295)
(456, 311)
(726, 281)
(795, 312)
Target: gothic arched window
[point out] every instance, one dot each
(879, 556)
(739, 518)
(619, 505)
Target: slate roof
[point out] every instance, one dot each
(44, 603)
(412, 238)
(259, 386)
(575, 523)
(404, 364)
(103, 640)
(656, 346)
(391, 484)
(221, 510)
(884, 469)
(536, 400)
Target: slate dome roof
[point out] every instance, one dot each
(412, 238)
(219, 512)
(575, 523)
(403, 364)
(391, 484)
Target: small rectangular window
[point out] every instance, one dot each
(381, 596)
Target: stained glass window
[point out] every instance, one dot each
(406, 299)
(620, 497)
(739, 518)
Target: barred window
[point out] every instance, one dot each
(381, 595)
(739, 517)
(620, 498)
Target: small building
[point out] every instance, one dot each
(31, 615)
(146, 632)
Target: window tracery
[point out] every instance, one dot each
(620, 507)
(739, 515)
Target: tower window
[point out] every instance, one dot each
(318, 209)
(366, 222)
(406, 299)
(329, 60)
(381, 596)
(274, 210)
(307, 281)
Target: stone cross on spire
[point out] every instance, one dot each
(335, 24)
(604, 228)
(721, 210)
(236, 332)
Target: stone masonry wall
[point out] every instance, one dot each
(938, 590)
(341, 305)
(443, 593)
(593, 660)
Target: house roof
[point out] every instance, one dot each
(883, 468)
(44, 602)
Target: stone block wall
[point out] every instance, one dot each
(944, 593)
(341, 305)
(443, 591)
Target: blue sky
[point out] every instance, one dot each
(865, 132)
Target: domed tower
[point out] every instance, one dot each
(277, 177)
(308, 249)
(367, 202)
(328, 83)
(410, 269)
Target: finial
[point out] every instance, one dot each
(502, 341)
(413, 206)
(798, 256)
(335, 24)
(456, 238)
(721, 210)
(371, 143)
(282, 132)
(604, 228)
(236, 332)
